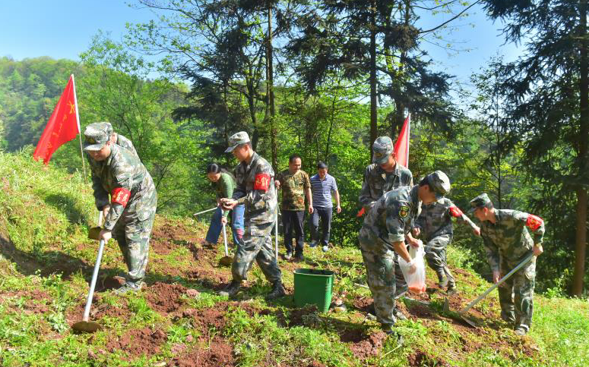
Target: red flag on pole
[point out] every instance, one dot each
(63, 125)
(402, 144)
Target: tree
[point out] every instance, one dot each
(548, 94)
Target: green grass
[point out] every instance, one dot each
(44, 215)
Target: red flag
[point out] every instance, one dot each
(402, 144)
(63, 125)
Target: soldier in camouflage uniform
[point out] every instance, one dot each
(255, 189)
(115, 138)
(383, 175)
(295, 186)
(118, 172)
(382, 239)
(435, 225)
(507, 240)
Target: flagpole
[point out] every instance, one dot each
(79, 128)
(408, 136)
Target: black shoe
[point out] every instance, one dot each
(277, 291)
(232, 289)
(313, 244)
(299, 258)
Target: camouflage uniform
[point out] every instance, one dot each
(507, 243)
(120, 140)
(435, 224)
(293, 188)
(255, 188)
(387, 222)
(377, 181)
(133, 200)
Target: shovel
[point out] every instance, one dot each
(204, 211)
(463, 312)
(225, 260)
(86, 326)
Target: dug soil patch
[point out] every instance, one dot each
(138, 342)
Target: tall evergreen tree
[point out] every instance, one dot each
(548, 94)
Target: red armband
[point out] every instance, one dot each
(121, 196)
(262, 182)
(455, 212)
(534, 222)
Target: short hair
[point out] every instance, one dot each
(321, 165)
(214, 168)
(293, 157)
(424, 181)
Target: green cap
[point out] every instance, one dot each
(236, 140)
(381, 149)
(480, 201)
(439, 182)
(96, 135)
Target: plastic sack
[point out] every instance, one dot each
(416, 280)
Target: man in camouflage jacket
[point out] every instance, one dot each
(507, 240)
(434, 224)
(255, 189)
(117, 172)
(383, 175)
(382, 239)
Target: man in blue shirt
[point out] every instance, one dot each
(322, 187)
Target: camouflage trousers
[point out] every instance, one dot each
(517, 293)
(133, 238)
(435, 254)
(256, 244)
(379, 261)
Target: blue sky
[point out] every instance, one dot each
(64, 28)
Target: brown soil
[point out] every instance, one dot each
(364, 346)
(35, 301)
(138, 342)
(216, 353)
(164, 297)
(420, 358)
(296, 317)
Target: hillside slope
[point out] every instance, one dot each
(46, 262)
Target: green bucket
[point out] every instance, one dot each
(313, 287)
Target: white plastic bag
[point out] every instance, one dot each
(416, 280)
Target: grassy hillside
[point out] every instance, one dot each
(46, 262)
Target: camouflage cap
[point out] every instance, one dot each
(236, 140)
(439, 182)
(97, 135)
(381, 149)
(479, 202)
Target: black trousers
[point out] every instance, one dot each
(293, 228)
(325, 215)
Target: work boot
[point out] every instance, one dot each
(277, 291)
(130, 286)
(392, 333)
(521, 331)
(451, 288)
(313, 244)
(232, 289)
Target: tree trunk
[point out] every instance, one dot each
(581, 235)
(270, 91)
(373, 102)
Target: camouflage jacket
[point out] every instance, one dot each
(377, 181)
(131, 189)
(293, 188)
(255, 188)
(509, 238)
(390, 217)
(435, 219)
